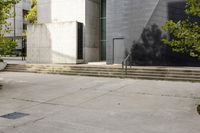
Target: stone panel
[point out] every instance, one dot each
(91, 35)
(84, 11)
(52, 43)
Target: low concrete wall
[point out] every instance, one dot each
(2, 65)
(52, 43)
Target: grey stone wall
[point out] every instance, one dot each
(139, 23)
(126, 19)
(91, 48)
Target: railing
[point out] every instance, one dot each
(125, 63)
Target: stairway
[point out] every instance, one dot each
(153, 73)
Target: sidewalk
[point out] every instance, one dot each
(71, 104)
(13, 60)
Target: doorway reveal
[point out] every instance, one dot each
(118, 50)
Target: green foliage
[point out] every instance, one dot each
(32, 15)
(185, 33)
(5, 13)
(7, 46)
(193, 7)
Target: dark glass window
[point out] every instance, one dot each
(103, 30)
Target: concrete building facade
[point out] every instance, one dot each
(58, 24)
(111, 29)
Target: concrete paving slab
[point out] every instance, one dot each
(36, 111)
(77, 98)
(72, 104)
(141, 102)
(11, 105)
(161, 88)
(119, 121)
(58, 127)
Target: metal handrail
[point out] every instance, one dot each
(125, 63)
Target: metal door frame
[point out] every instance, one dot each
(113, 54)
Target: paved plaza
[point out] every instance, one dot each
(72, 104)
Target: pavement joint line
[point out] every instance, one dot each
(102, 95)
(49, 101)
(161, 95)
(78, 106)
(39, 119)
(67, 105)
(39, 103)
(81, 89)
(26, 100)
(46, 102)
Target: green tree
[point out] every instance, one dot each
(186, 33)
(6, 44)
(32, 15)
(6, 13)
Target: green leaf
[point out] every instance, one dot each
(32, 15)
(185, 33)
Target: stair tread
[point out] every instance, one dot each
(143, 73)
(123, 76)
(119, 73)
(113, 72)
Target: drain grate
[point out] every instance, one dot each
(15, 115)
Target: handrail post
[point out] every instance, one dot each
(125, 62)
(130, 61)
(126, 67)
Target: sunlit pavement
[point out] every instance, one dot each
(72, 104)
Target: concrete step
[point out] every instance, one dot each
(160, 75)
(163, 70)
(182, 72)
(133, 76)
(143, 73)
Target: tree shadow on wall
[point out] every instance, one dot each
(151, 51)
